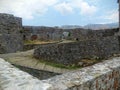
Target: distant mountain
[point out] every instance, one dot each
(101, 26)
(70, 26)
(92, 26)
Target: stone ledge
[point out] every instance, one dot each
(12, 78)
(101, 76)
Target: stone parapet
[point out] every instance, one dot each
(101, 76)
(12, 78)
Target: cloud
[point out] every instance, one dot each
(28, 8)
(64, 8)
(25, 8)
(87, 9)
(112, 16)
(71, 5)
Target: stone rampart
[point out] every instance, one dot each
(84, 34)
(10, 24)
(10, 33)
(42, 33)
(12, 78)
(51, 33)
(73, 52)
(101, 76)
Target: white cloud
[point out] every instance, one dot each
(70, 5)
(108, 17)
(112, 16)
(25, 8)
(87, 9)
(84, 7)
(28, 8)
(64, 8)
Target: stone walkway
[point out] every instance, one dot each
(26, 59)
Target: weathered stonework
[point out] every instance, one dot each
(84, 34)
(52, 33)
(42, 33)
(73, 52)
(10, 33)
(101, 76)
(12, 78)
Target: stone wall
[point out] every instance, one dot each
(42, 33)
(10, 33)
(84, 34)
(101, 76)
(52, 33)
(12, 78)
(73, 52)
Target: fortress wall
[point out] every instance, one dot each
(73, 52)
(10, 24)
(84, 34)
(11, 39)
(10, 43)
(51, 33)
(12, 78)
(42, 33)
(101, 76)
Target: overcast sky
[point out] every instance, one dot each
(62, 12)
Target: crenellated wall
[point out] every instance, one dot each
(101, 76)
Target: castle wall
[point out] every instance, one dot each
(42, 33)
(73, 52)
(11, 39)
(50, 33)
(101, 76)
(12, 78)
(84, 34)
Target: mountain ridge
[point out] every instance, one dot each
(92, 26)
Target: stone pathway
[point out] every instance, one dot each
(26, 59)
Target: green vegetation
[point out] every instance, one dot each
(85, 63)
(70, 67)
(37, 42)
(29, 42)
(73, 66)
